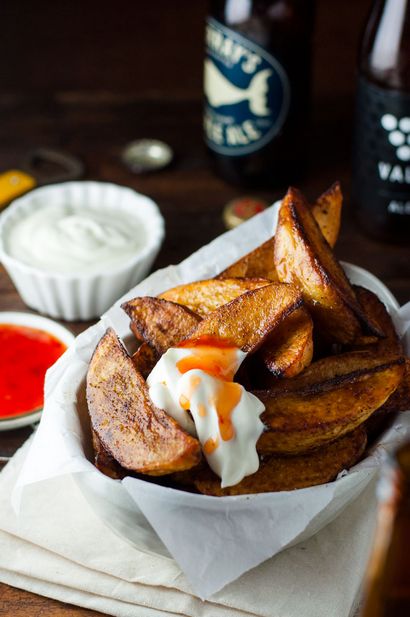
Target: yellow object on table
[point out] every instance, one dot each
(14, 183)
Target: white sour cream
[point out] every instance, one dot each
(221, 413)
(75, 239)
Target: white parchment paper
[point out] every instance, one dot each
(214, 540)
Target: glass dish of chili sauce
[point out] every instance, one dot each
(29, 345)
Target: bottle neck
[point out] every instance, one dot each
(385, 52)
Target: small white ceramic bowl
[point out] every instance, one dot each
(40, 323)
(79, 295)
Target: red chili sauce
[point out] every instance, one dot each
(25, 355)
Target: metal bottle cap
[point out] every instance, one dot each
(146, 155)
(241, 209)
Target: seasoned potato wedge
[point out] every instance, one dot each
(160, 323)
(260, 263)
(400, 399)
(298, 420)
(334, 370)
(286, 473)
(304, 258)
(144, 359)
(104, 461)
(249, 319)
(327, 211)
(377, 313)
(257, 263)
(136, 434)
(205, 296)
(290, 348)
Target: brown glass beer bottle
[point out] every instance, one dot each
(387, 591)
(381, 161)
(257, 85)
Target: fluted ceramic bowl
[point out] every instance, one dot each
(81, 295)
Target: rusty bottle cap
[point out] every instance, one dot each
(241, 209)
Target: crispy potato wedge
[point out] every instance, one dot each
(298, 420)
(334, 370)
(104, 461)
(378, 314)
(327, 211)
(260, 262)
(160, 323)
(144, 359)
(304, 258)
(290, 348)
(249, 319)
(203, 297)
(400, 399)
(286, 473)
(257, 263)
(139, 436)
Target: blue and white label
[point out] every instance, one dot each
(247, 93)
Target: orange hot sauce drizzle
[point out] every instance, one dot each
(211, 445)
(25, 355)
(202, 410)
(213, 356)
(185, 398)
(217, 358)
(228, 396)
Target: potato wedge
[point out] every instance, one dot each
(400, 399)
(260, 263)
(249, 319)
(378, 314)
(304, 258)
(257, 263)
(290, 348)
(301, 419)
(286, 473)
(144, 359)
(136, 434)
(160, 323)
(203, 297)
(327, 211)
(333, 371)
(104, 461)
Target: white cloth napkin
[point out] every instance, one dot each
(58, 547)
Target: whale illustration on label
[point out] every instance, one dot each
(247, 93)
(220, 91)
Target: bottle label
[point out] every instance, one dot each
(247, 92)
(382, 152)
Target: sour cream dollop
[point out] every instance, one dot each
(72, 239)
(194, 385)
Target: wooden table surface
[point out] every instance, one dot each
(191, 198)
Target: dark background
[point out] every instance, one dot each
(89, 76)
(145, 48)
(122, 55)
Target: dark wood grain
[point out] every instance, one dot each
(25, 604)
(74, 84)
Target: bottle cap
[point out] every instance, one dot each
(145, 155)
(241, 209)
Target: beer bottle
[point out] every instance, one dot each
(387, 590)
(256, 82)
(381, 161)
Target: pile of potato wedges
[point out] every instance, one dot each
(323, 357)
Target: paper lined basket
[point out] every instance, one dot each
(214, 540)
